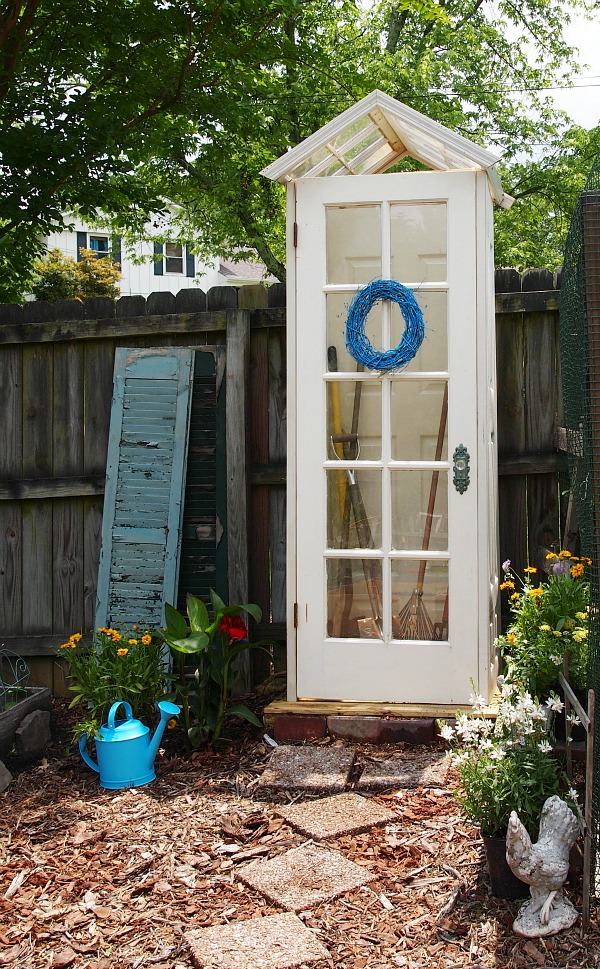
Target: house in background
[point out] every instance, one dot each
(156, 267)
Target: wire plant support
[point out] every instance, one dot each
(14, 677)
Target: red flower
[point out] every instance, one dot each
(233, 627)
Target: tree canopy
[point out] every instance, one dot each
(482, 69)
(89, 92)
(117, 105)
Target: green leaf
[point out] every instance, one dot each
(217, 603)
(197, 613)
(240, 710)
(194, 643)
(176, 624)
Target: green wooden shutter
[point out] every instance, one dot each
(190, 262)
(158, 263)
(82, 243)
(145, 480)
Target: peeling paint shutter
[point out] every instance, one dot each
(145, 481)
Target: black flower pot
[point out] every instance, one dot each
(504, 883)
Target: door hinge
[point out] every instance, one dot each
(295, 615)
(295, 234)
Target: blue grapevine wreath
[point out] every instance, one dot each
(357, 343)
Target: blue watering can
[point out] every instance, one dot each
(124, 749)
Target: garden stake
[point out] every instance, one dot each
(414, 622)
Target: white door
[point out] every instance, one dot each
(386, 545)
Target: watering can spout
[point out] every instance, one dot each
(167, 711)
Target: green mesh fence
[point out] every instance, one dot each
(580, 364)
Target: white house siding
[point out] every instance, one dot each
(139, 279)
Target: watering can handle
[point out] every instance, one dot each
(85, 755)
(115, 707)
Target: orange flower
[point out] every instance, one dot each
(507, 585)
(147, 639)
(577, 570)
(122, 652)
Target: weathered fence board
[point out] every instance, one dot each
(55, 398)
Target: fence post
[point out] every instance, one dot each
(237, 367)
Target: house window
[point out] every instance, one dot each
(102, 245)
(99, 244)
(174, 257)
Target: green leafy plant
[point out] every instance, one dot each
(61, 277)
(116, 665)
(549, 619)
(212, 644)
(506, 764)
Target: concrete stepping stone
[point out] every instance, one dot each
(428, 769)
(333, 817)
(273, 942)
(308, 768)
(305, 876)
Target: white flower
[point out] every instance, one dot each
(557, 660)
(447, 733)
(545, 747)
(553, 703)
(497, 753)
(477, 701)
(572, 793)
(573, 720)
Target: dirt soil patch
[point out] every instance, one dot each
(98, 879)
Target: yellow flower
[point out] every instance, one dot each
(577, 570)
(68, 645)
(564, 554)
(511, 638)
(551, 555)
(147, 639)
(75, 637)
(557, 633)
(122, 652)
(580, 615)
(115, 636)
(514, 596)
(134, 627)
(586, 560)
(103, 629)
(537, 592)
(171, 724)
(507, 585)
(132, 642)
(545, 628)
(530, 569)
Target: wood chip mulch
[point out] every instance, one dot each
(97, 879)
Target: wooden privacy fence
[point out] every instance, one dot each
(56, 370)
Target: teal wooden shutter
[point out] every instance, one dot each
(158, 263)
(145, 480)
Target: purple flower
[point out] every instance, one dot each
(560, 568)
(506, 565)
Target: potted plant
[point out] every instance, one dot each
(211, 643)
(505, 764)
(549, 619)
(124, 665)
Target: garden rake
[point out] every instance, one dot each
(413, 621)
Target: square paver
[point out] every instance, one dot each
(406, 770)
(273, 942)
(332, 817)
(304, 876)
(308, 768)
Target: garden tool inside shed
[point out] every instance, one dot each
(414, 621)
(347, 447)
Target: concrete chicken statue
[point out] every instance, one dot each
(544, 866)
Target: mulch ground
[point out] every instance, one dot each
(98, 879)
